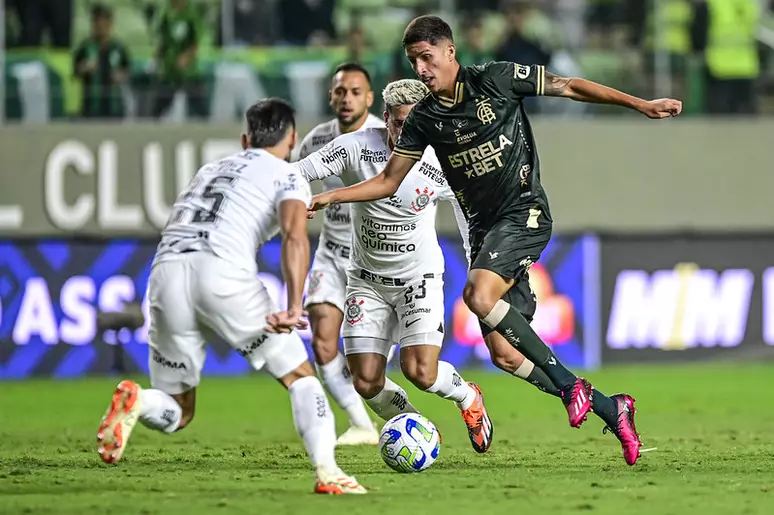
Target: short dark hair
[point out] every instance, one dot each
(101, 11)
(430, 29)
(352, 66)
(269, 121)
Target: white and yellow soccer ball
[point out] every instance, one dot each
(409, 442)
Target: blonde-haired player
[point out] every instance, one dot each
(395, 274)
(350, 98)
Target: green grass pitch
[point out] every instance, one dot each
(713, 426)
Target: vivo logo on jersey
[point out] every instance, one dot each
(682, 308)
(318, 141)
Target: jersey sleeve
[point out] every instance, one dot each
(412, 141)
(520, 80)
(332, 159)
(292, 186)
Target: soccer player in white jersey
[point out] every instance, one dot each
(204, 278)
(350, 98)
(395, 275)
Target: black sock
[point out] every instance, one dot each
(540, 380)
(517, 331)
(605, 407)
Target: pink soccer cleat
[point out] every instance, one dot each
(577, 400)
(625, 430)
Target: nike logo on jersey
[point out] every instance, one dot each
(409, 324)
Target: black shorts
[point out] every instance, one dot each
(508, 249)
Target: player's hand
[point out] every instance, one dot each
(286, 321)
(321, 201)
(662, 108)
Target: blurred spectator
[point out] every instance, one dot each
(725, 31)
(400, 67)
(251, 22)
(356, 43)
(517, 47)
(101, 62)
(178, 30)
(36, 17)
(602, 16)
(471, 48)
(476, 5)
(307, 22)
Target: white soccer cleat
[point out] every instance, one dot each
(118, 422)
(356, 435)
(336, 482)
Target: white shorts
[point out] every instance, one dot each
(377, 315)
(193, 295)
(328, 277)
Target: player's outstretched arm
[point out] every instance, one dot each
(375, 188)
(583, 90)
(295, 263)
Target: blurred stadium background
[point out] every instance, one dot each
(664, 232)
(663, 246)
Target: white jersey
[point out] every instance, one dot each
(394, 237)
(231, 207)
(336, 225)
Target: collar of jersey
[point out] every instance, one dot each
(459, 90)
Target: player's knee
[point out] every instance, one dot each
(422, 374)
(325, 334)
(478, 300)
(367, 388)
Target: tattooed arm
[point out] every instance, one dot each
(583, 90)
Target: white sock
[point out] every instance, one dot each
(450, 385)
(338, 381)
(314, 421)
(159, 411)
(391, 401)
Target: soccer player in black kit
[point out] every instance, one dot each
(475, 122)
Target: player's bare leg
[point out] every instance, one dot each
(421, 366)
(383, 396)
(315, 424)
(325, 320)
(483, 295)
(152, 407)
(507, 358)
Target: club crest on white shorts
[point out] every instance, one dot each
(354, 310)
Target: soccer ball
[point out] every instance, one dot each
(409, 443)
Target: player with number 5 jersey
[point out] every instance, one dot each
(204, 282)
(395, 274)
